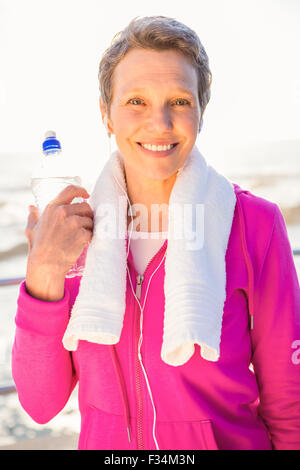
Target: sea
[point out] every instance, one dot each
(268, 169)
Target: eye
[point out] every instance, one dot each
(135, 101)
(181, 102)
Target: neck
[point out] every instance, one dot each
(150, 199)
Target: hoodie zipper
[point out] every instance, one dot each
(138, 292)
(140, 443)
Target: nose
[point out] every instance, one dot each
(159, 120)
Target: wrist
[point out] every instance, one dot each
(44, 282)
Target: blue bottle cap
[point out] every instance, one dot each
(51, 142)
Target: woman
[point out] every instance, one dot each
(204, 353)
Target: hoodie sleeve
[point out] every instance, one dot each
(276, 340)
(42, 369)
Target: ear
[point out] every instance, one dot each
(103, 109)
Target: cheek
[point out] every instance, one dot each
(126, 123)
(194, 121)
(189, 122)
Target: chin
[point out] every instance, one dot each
(160, 174)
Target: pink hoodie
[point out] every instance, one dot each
(201, 404)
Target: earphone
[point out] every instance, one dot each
(200, 125)
(105, 121)
(141, 317)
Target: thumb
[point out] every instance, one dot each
(33, 212)
(32, 220)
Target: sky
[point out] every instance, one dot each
(50, 52)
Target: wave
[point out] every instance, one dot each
(291, 214)
(17, 250)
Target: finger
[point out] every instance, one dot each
(80, 208)
(84, 222)
(33, 217)
(31, 222)
(67, 195)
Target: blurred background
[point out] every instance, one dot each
(49, 56)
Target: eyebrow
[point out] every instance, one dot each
(183, 90)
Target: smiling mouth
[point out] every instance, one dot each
(158, 148)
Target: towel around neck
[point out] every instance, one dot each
(200, 215)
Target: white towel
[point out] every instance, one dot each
(195, 274)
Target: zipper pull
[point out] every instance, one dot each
(140, 279)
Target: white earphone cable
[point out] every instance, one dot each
(142, 312)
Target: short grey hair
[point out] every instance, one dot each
(155, 33)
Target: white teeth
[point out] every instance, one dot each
(157, 148)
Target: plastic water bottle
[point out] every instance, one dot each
(50, 178)
(53, 174)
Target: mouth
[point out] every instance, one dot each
(161, 150)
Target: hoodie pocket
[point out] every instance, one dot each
(106, 431)
(103, 431)
(186, 435)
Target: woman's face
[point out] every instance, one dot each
(155, 103)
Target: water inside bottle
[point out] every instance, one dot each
(46, 190)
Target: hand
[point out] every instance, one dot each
(55, 241)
